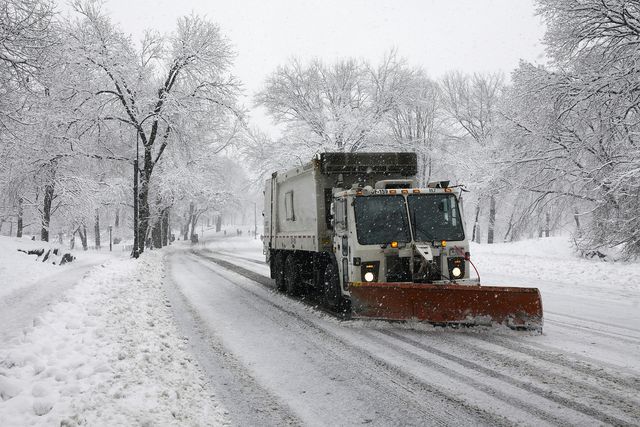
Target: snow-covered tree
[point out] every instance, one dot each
(170, 77)
(577, 118)
(334, 107)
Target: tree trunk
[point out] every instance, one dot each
(117, 220)
(188, 232)
(156, 233)
(576, 218)
(510, 226)
(547, 221)
(20, 214)
(476, 231)
(218, 223)
(46, 211)
(194, 223)
(96, 230)
(492, 219)
(144, 208)
(165, 227)
(72, 242)
(82, 231)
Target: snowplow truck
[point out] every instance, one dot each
(356, 229)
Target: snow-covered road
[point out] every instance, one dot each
(273, 360)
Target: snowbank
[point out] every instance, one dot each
(20, 270)
(552, 260)
(107, 354)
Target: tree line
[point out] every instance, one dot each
(552, 149)
(84, 108)
(548, 149)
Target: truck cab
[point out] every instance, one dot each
(394, 232)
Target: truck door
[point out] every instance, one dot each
(342, 240)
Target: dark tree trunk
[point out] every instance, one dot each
(218, 223)
(476, 232)
(46, 211)
(96, 230)
(145, 211)
(72, 242)
(156, 233)
(576, 218)
(20, 214)
(117, 220)
(82, 231)
(510, 226)
(547, 222)
(492, 219)
(194, 223)
(166, 231)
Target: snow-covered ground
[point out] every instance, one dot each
(105, 351)
(175, 339)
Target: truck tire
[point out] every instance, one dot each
(278, 273)
(332, 293)
(291, 275)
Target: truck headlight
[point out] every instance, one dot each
(456, 268)
(369, 271)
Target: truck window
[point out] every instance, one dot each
(381, 220)
(341, 213)
(288, 206)
(435, 217)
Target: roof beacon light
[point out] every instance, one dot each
(394, 244)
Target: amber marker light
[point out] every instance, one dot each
(394, 244)
(392, 191)
(444, 243)
(405, 191)
(416, 191)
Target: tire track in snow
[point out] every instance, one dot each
(610, 335)
(606, 395)
(256, 405)
(393, 372)
(332, 360)
(551, 355)
(547, 394)
(599, 322)
(467, 380)
(566, 402)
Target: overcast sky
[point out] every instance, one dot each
(438, 35)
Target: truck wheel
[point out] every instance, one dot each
(278, 266)
(332, 293)
(291, 275)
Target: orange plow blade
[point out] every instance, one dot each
(519, 308)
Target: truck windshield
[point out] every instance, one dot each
(435, 217)
(381, 220)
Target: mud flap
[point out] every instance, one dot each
(518, 308)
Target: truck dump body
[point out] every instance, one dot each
(447, 304)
